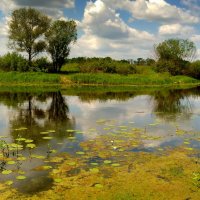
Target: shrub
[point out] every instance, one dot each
(173, 67)
(13, 62)
(106, 65)
(41, 65)
(194, 69)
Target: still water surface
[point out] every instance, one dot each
(58, 121)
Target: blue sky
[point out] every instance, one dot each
(116, 28)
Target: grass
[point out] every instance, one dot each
(42, 79)
(135, 79)
(28, 78)
(70, 68)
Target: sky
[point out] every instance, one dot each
(121, 29)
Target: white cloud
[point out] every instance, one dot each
(152, 10)
(51, 7)
(175, 29)
(106, 34)
(195, 38)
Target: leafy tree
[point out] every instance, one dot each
(26, 28)
(174, 52)
(59, 37)
(176, 49)
(13, 62)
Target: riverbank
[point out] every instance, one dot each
(35, 78)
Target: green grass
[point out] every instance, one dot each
(28, 78)
(135, 79)
(70, 68)
(42, 79)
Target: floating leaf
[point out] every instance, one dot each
(44, 133)
(58, 180)
(12, 162)
(115, 164)
(107, 161)
(31, 146)
(21, 158)
(72, 138)
(71, 163)
(46, 167)
(51, 131)
(21, 139)
(98, 185)
(9, 182)
(28, 141)
(21, 177)
(80, 153)
(21, 172)
(94, 170)
(70, 131)
(47, 138)
(95, 164)
(38, 156)
(6, 172)
(20, 129)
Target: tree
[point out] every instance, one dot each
(26, 29)
(59, 37)
(176, 53)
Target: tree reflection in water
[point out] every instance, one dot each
(170, 104)
(40, 113)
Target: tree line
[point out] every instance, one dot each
(32, 32)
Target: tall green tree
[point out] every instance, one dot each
(174, 54)
(59, 37)
(26, 31)
(176, 49)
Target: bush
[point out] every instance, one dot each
(13, 62)
(106, 65)
(41, 65)
(194, 69)
(144, 69)
(173, 67)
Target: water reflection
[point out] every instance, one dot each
(40, 113)
(79, 109)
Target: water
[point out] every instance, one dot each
(165, 119)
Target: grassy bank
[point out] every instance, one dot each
(135, 79)
(41, 79)
(28, 78)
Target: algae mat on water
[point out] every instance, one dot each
(173, 175)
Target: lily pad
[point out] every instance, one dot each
(94, 170)
(47, 138)
(98, 185)
(21, 177)
(28, 141)
(107, 161)
(58, 180)
(80, 152)
(31, 146)
(11, 162)
(115, 164)
(6, 172)
(71, 163)
(9, 182)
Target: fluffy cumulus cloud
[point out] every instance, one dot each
(106, 33)
(176, 29)
(152, 10)
(51, 7)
